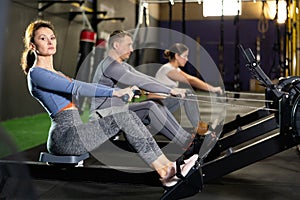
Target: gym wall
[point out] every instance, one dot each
(15, 98)
(208, 31)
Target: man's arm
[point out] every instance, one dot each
(129, 76)
(142, 74)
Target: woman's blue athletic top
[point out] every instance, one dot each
(54, 91)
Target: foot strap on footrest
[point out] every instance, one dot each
(72, 159)
(189, 186)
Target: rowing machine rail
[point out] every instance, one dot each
(268, 134)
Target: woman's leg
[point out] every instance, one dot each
(172, 103)
(70, 136)
(160, 119)
(191, 108)
(78, 137)
(190, 104)
(145, 145)
(139, 137)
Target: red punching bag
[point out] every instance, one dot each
(87, 43)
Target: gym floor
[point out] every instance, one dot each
(277, 177)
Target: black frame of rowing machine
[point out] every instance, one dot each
(262, 139)
(267, 132)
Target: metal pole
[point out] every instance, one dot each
(3, 16)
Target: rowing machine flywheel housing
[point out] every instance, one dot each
(291, 86)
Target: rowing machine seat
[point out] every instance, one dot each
(63, 159)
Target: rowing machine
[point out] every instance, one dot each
(267, 132)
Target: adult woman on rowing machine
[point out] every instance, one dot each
(68, 135)
(171, 75)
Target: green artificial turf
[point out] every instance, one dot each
(28, 132)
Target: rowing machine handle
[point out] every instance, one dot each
(125, 97)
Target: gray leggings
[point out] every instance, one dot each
(190, 104)
(68, 135)
(160, 119)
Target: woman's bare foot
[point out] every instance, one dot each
(185, 168)
(167, 172)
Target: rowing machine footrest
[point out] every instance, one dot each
(72, 159)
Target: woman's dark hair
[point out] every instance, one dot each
(28, 56)
(178, 48)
